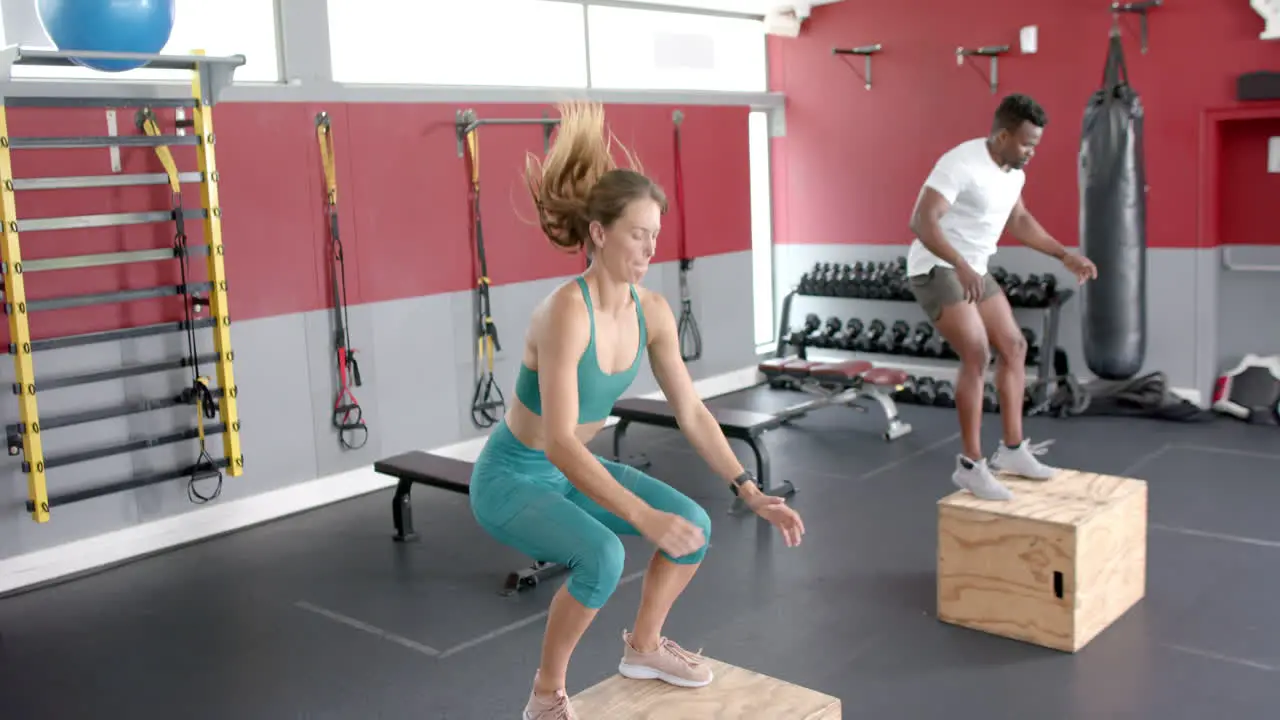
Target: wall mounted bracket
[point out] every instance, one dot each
(1140, 8)
(991, 51)
(866, 51)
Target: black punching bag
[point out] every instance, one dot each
(1113, 224)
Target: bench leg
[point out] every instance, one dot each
(896, 428)
(402, 512)
(638, 461)
(529, 577)
(763, 478)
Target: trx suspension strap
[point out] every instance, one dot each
(348, 417)
(198, 393)
(487, 404)
(690, 337)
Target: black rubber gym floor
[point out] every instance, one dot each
(321, 615)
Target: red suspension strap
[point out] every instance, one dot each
(690, 337)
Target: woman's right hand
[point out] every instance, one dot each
(971, 281)
(672, 533)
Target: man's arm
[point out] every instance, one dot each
(929, 209)
(941, 188)
(561, 341)
(1024, 228)
(695, 421)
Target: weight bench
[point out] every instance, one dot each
(741, 425)
(839, 383)
(453, 475)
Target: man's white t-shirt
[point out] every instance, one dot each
(982, 195)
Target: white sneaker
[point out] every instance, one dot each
(977, 479)
(1022, 460)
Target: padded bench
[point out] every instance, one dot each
(839, 383)
(743, 425)
(444, 473)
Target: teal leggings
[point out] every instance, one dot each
(520, 498)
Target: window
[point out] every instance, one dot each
(635, 49)
(520, 43)
(761, 226)
(225, 27)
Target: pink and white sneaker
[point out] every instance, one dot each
(670, 663)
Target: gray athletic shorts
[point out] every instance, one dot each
(940, 287)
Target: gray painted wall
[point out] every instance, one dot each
(1201, 317)
(413, 352)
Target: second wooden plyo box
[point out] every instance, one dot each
(1055, 566)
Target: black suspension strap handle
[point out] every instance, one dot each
(487, 402)
(690, 336)
(348, 416)
(197, 394)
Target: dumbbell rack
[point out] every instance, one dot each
(1048, 342)
(210, 75)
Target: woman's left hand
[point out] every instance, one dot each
(780, 515)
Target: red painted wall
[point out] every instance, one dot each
(405, 216)
(853, 160)
(1248, 193)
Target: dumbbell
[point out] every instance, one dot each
(829, 329)
(891, 342)
(852, 329)
(906, 392)
(922, 335)
(866, 342)
(808, 281)
(1013, 289)
(1037, 290)
(815, 332)
(933, 347)
(946, 394)
(799, 338)
(844, 283)
(990, 399)
(926, 390)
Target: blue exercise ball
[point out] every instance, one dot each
(136, 26)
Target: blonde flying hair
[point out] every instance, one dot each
(579, 182)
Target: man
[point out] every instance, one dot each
(972, 196)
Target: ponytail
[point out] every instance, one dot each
(562, 183)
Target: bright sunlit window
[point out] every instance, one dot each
(516, 43)
(635, 49)
(221, 27)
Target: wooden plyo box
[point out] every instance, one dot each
(735, 694)
(1054, 566)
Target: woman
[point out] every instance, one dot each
(536, 487)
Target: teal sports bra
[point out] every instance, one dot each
(597, 390)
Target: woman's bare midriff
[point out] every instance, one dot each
(527, 427)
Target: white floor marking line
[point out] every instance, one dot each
(379, 632)
(1216, 536)
(1145, 459)
(912, 456)
(520, 623)
(1223, 658)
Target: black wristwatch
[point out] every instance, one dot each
(743, 479)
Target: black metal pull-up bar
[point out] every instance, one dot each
(865, 50)
(467, 122)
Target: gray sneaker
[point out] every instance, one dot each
(977, 479)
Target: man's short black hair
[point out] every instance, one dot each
(1016, 109)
